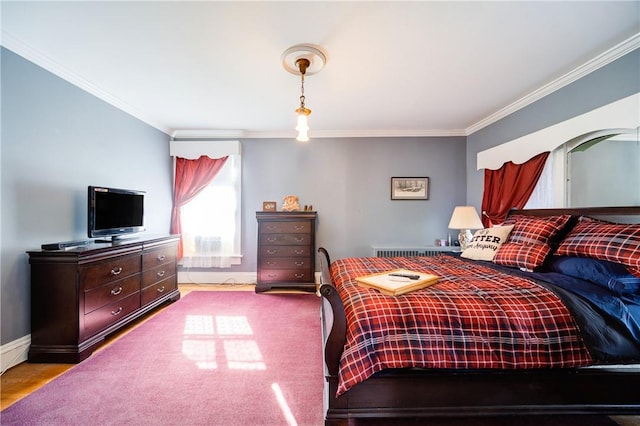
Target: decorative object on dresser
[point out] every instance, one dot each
(81, 295)
(290, 204)
(269, 206)
(286, 250)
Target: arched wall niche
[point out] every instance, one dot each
(582, 171)
(603, 169)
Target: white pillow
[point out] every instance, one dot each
(486, 242)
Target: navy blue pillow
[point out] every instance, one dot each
(612, 276)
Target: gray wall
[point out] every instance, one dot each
(612, 82)
(348, 182)
(57, 140)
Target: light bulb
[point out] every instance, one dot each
(303, 128)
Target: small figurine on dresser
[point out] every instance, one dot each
(290, 204)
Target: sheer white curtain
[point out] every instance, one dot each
(211, 221)
(209, 224)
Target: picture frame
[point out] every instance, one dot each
(269, 206)
(409, 188)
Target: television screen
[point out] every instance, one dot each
(114, 212)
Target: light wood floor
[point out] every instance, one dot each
(24, 378)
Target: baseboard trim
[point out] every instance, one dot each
(205, 277)
(14, 353)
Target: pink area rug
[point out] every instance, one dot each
(212, 358)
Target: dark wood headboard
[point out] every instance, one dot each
(626, 214)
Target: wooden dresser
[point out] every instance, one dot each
(80, 295)
(286, 250)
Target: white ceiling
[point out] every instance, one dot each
(393, 69)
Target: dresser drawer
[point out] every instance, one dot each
(301, 227)
(285, 263)
(109, 293)
(285, 239)
(158, 273)
(285, 275)
(160, 256)
(111, 270)
(284, 251)
(110, 314)
(157, 290)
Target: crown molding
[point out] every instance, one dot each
(313, 134)
(619, 50)
(12, 43)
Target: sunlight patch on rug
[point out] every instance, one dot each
(243, 355)
(233, 326)
(201, 335)
(284, 406)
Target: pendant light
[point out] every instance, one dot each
(303, 60)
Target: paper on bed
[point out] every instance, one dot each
(395, 285)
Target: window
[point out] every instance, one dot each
(211, 228)
(211, 221)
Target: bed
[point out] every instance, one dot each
(549, 326)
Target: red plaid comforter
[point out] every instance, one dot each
(475, 317)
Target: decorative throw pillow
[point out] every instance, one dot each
(528, 244)
(486, 242)
(610, 275)
(619, 243)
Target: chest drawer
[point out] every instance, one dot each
(284, 275)
(159, 273)
(109, 314)
(157, 290)
(160, 256)
(109, 293)
(284, 251)
(286, 263)
(110, 270)
(295, 227)
(285, 239)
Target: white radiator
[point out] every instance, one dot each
(408, 251)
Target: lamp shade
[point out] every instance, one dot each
(465, 217)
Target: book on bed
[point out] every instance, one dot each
(397, 281)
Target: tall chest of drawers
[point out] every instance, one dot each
(286, 250)
(81, 295)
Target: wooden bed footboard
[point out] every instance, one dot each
(415, 393)
(334, 323)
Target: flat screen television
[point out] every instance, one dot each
(114, 213)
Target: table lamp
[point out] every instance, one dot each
(465, 218)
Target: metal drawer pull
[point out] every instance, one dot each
(299, 239)
(273, 251)
(160, 290)
(272, 275)
(299, 263)
(299, 275)
(271, 263)
(160, 273)
(116, 271)
(299, 251)
(299, 227)
(272, 239)
(160, 257)
(117, 311)
(116, 291)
